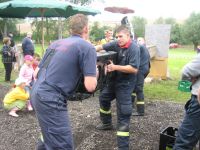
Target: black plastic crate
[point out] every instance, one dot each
(167, 138)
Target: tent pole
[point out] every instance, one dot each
(42, 11)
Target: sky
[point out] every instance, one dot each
(149, 9)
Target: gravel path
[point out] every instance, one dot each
(22, 133)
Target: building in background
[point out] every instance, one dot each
(23, 28)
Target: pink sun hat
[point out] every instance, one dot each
(28, 57)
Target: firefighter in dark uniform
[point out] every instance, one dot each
(142, 73)
(121, 86)
(63, 64)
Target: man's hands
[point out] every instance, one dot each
(98, 48)
(193, 79)
(125, 69)
(111, 67)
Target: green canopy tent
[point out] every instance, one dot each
(42, 8)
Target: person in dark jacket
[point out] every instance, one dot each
(27, 45)
(7, 58)
(15, 56)
(62, 66)
(120, 87)
(142, 73)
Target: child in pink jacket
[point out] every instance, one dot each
(26, 72)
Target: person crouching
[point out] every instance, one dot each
(17, 98)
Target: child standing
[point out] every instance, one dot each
(16, 99)
(7, 58)
(26, 72)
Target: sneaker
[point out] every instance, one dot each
(137, 114)
(12, 113)
(104, 126)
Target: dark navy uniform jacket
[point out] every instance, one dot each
(73, 57)
(144, 59)
(125, 56)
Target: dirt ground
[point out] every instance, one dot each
(22, 133)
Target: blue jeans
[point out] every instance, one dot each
(189, 131)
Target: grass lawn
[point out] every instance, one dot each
(14, 73)
(167, 89)
(157, 90)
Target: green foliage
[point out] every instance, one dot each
(192, 28)
(168, 89)
(160, 20)
(165, 90)
(176, 34)
(51, 30)
(139, 25)
(97, 32)
(171, 21)
(8, 25)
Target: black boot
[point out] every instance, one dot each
(140, 108)
(137, 114)
(133, 102)
(102, 126)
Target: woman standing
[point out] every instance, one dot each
(7, 58)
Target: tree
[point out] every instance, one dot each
(171, 21)
(176, 34)
(191, 29)
(139, 25)
(51, 29)
(97, 32)
(8, 25)
(159, 21)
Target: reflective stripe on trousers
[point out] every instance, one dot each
(104, 111)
